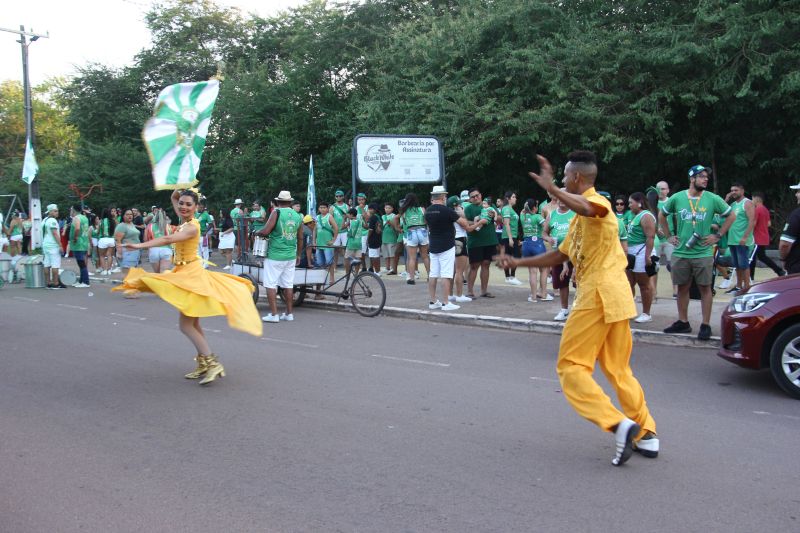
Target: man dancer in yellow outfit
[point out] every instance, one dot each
(597, 328)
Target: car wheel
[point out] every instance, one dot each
(784, 360)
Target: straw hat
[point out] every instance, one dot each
(284, 196)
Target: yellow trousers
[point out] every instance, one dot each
(586, 339)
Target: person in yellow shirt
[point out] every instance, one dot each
(597, 328)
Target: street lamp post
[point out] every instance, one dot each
(34, 202)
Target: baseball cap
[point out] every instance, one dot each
(697, 169)
(307, 219)
(361, 195)
(453, 201)
(464, 195)
(339, 192)
(605, 195)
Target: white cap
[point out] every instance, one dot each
(464, 195)
(238, 201)
(284, 196)
(438, 189)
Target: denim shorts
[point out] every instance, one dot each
(324, 256)
(741, 255)
(417, 236)
(531, 248)
(130, 258)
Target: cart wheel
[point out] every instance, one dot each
(252, 280)
(368, 294)
(298, 295)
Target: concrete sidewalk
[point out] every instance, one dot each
(509, 309)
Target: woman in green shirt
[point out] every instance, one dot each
(413, 217)
(533, 245)
(510, 237)
(641, 243)
(127, 233)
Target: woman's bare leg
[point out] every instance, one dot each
(190, 326)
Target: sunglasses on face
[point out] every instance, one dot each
(620, 203)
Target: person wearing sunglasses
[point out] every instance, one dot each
(620, 206)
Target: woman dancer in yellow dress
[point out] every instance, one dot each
(195, 291)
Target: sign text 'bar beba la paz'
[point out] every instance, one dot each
(398, 159)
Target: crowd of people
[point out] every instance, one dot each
(697, 235)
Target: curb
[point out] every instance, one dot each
(517, 324)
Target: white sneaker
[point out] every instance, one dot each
(287, 318)
(549, 280)
(531, 299)
(404, 275)
(115, 270)
(269, 318)
(81, 286)
(548, 297)
(451, 298)
(513, 281)
(726, 283)
(226, 267)
(623, 438)
(435, 305)
(416, 276)
(461, 299)
(647, 446)
(562, 315)
(450, 307)
(644, 317)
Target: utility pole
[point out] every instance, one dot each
(34, 202)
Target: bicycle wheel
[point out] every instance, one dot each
(298, 295)
(252, 280)
(368, 294)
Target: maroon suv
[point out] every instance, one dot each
(761, 328)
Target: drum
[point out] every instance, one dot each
(260, 246)
(68, 277)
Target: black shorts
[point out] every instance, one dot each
(479, 254)
(461, 247)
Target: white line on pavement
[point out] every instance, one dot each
(213, 330)
(431, 363)
(24, 299)
(792, 417)
(73, 306)
(534, 378)
(290, 342)
(129, 316)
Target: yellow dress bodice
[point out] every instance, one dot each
(186, 251)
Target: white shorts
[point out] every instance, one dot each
(639, 251)
(159, 254)
(52, 258)
(341, 239)
(443, 264)
(364, 247)
(94, 242)
(388, 250)
(227, 241)
(375, 252)
(278, 274)
(106, 242)
(16, 238)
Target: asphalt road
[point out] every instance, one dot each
(340, 423)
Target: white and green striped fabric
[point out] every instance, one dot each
(176, 134)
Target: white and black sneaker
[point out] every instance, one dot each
(626, 431)
(647, 445)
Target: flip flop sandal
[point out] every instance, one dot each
(471, 296)
(488, 295)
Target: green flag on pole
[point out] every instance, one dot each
(29, 166)
(176, 134)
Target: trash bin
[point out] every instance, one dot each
(34, 272)
(6, 272)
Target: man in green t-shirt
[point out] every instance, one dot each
(339, 211)
(693, 258)
(740, 237)
(481, 242)
(79, 243)
(389, 238)
(285, 230)
(258, 217)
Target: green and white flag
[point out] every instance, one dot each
(176, 134)
(29, 166)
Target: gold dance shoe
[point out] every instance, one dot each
(214, 368)
(202, 367)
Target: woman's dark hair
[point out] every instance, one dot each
(530, 205)
(112, 222)
(192, 195)
(352, 212)
(652, 201)
(408, 202)
(507, 196)
(639, 199)
(622, 198)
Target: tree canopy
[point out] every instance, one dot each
(652, 86)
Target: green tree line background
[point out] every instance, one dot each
(653, 86)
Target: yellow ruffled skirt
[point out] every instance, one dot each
(197, 292)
